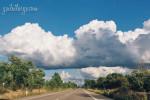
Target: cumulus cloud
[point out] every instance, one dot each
(97, 43)
(130, 36)
(101, 71)
(65, 75)
(30, 41)
(137, 42)
(147, 25)
(97, 28)
(142, 48)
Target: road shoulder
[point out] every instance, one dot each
(95, 96)
(42, 95)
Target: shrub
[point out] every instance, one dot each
(127, 94)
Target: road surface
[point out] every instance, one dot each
(76, 94)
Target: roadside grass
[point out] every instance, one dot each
(11, 95)
(106, 92)
(121, 94)
(97, 91)
(21, 93)
(102, 91)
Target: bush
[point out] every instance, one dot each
(147, 84)
(127, 94)
(108, 93)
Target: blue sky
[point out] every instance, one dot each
(65, 16)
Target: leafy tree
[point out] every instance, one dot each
(90, 84)
(115, 80)
(35, 79)
(20, 74)
(56, 81)
(19, 71)
(100, 82)
(24, 74)
(3, 72)
(147, 84)
(136, 80)
(69, 85)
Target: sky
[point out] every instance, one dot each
(62, 34)
(65, 16)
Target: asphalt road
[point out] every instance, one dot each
(77, 94)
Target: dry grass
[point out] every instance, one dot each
(100, 91)
(96, 91)
(13, 94)
(10, 95)
(21, 93)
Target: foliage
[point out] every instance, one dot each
(56, 82)
(69, 85)
(115, 80)
(127, 86)
(138, 80)
(21, 74)
(127, 94)
(147, 84)
(90, 84)
(36, 79)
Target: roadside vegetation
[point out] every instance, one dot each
(18, 76)
(134, 86)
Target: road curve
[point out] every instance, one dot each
(76, 94)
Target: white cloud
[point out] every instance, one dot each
(30, 41)
(137, 42)
(130, 36)
(94, 27)
(142, 47)
(97, 43)
(147, 25)
(65, 75)
(101, 71)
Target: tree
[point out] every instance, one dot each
(35, 79)
(69, 85)
(19, 72)
(136, 80)
(100, 82)
(3, 72)
(56, 81)
(89, 83)
(25, 74)
(147, 84)
(115, 80)
(22, 74)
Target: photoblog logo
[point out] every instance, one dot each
(17, 8)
